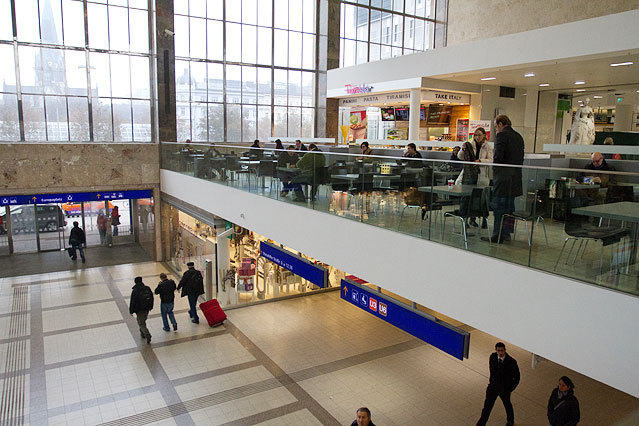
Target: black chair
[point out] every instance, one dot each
(557, 195)
(619, 193)
(536, 213)
(477, 207)
(578, 228)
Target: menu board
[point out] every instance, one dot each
(439, 114)
(402, 114)
(388, 114)
(462, 129)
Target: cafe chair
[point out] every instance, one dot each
(578, 228)
(412, 199)
(536, 213)
(235, 168)
(477, 207)
(557, 196)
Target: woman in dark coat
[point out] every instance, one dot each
(563, 407)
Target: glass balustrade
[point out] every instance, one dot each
(578, 223)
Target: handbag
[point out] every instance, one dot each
(70, 251)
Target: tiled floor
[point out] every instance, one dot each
(305, 361)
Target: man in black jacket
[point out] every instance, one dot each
(166, 290)
(140, 305)
(76, 240)
(507, 184)
(504, 378)
(192, 285)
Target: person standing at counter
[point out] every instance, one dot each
(507, 185)
(411, 152)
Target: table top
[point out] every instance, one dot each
(287, 169)
(625, 210)
(573, 185)
(450, 172)
(249, 162)
(349, 176)
(454, 190)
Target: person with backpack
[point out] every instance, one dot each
(192, 285)
(141, 303)
(76, 240)
(166, 290)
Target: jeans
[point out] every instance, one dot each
(166, 310)
(75, 247)
(193, 307)
(141, 318)
(501, 206)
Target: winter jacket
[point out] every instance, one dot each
(564, 411)
(76, 236)
(135, 305)
(166, 290)
(509, 149)
(504, 377)
(189, 285)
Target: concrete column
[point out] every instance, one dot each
(623, 117)
(328, 23)
(475, 106)
(413, 122)
(165, 70)
(530, 119)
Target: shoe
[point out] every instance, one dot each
(142, 336)
(283, 193)
(175, 327)
(148, 339)
(166, 329)
(84, 260)
(195, 322)
(190, 314)
(484, 224)
(74, 258)
(299, 199)
(493, 239)
(473, 223)
(505, 237)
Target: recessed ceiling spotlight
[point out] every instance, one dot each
(580, 82)
(580, 90)
(544, 85)
(597, 97)
(488, 78)
(621, 64)
(529, 74)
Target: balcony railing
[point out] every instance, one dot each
(581, 224)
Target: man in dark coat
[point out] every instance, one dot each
(166, 290)
(507, 184)
(192, 285)
(504, 378)
(76, 240)
(140, 305)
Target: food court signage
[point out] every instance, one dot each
(356, 90)
(73, 197)
(439, 334)
(432, 96)
(376, 99)
(294, 263)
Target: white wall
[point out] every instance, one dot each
(581, 326)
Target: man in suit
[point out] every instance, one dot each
(509, 149)
(504, 378)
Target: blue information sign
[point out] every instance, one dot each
(73, 197)
(444, 336)
(296, 264)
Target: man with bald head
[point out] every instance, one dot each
(604, 180)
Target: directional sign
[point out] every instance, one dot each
(73, 197)
(294, 263)
(450, 339)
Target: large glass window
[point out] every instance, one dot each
(251, 76)
(383, 29)
(76, 82)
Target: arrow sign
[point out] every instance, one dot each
(98, 196)
(345, 290)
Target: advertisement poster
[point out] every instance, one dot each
(388, 114)
(345, 130)
(474, 124)
(358, 125)
(462, 129)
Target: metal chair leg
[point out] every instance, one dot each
(574, 240)
(543, 224)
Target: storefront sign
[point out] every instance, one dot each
(356, 90)
(432, 96)
(474, 124)
(376, 99)
(294, 263)
(73, 197)
(443, 336)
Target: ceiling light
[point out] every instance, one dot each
(621, 64)
(529, 74)
(488, 78)
(544, 85)
(463, 103)
(580, 82)
(597, 97)
(580, 90)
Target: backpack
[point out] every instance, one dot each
(146, 298)
(197, 282)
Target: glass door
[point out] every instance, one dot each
(4, 231)
(51, 227)
(23, 229)
(95, 222)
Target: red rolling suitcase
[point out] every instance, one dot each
(213, 312)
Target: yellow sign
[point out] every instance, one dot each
(345, 130)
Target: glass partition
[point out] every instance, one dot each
(579, 223)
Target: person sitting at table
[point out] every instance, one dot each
(411, 152)
(604, 180)
(256, 151)
(300, 146)
(609, 141)
(286, 159)
(209, 165)
(278, 145)
(310, 166)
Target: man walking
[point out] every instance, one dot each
(141, 303)
(166, 290)
(504, 378)
(76, 240)
(192, 285)
(509, 149)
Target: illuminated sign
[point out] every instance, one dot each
(356, 90)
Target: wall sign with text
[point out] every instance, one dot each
(294, 263)
(73, 197)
